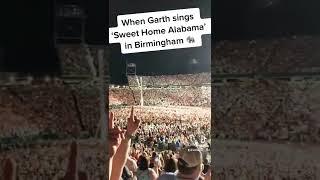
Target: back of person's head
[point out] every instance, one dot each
(190, 161)
(126, 173)
(143, 163)
(170, 165)
(154, 154)
(82, 175)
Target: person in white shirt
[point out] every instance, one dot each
(132, 166)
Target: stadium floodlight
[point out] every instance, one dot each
(29, 79)
(69, 24)
(12, 79)
(131, 69)
(47, 79)
(194, 61)
(70, 10)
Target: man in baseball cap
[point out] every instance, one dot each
(189, 164)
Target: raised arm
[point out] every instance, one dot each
(71, 173)
(9, 170)
(123, 151)
(115, 136)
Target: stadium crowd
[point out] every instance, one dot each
(84, 159)
(267, 171)
(178, 126)
(80, 61)
(171, 80)
(173, 138)
(127, 159)
(67, 111)
(267, 110)
(183, 96)
(138, 153)
(31, 109)
(265, 160)
(280, 55)
(275, 112)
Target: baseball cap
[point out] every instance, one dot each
(190, 157)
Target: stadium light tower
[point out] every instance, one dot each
(131, 71)
(69, 22)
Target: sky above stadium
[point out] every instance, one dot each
(251, 19)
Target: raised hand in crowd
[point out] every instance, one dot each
(115, 136)
(72, 172)
(9, 170)
(133, 124)
(121, 154)
(9, 167)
